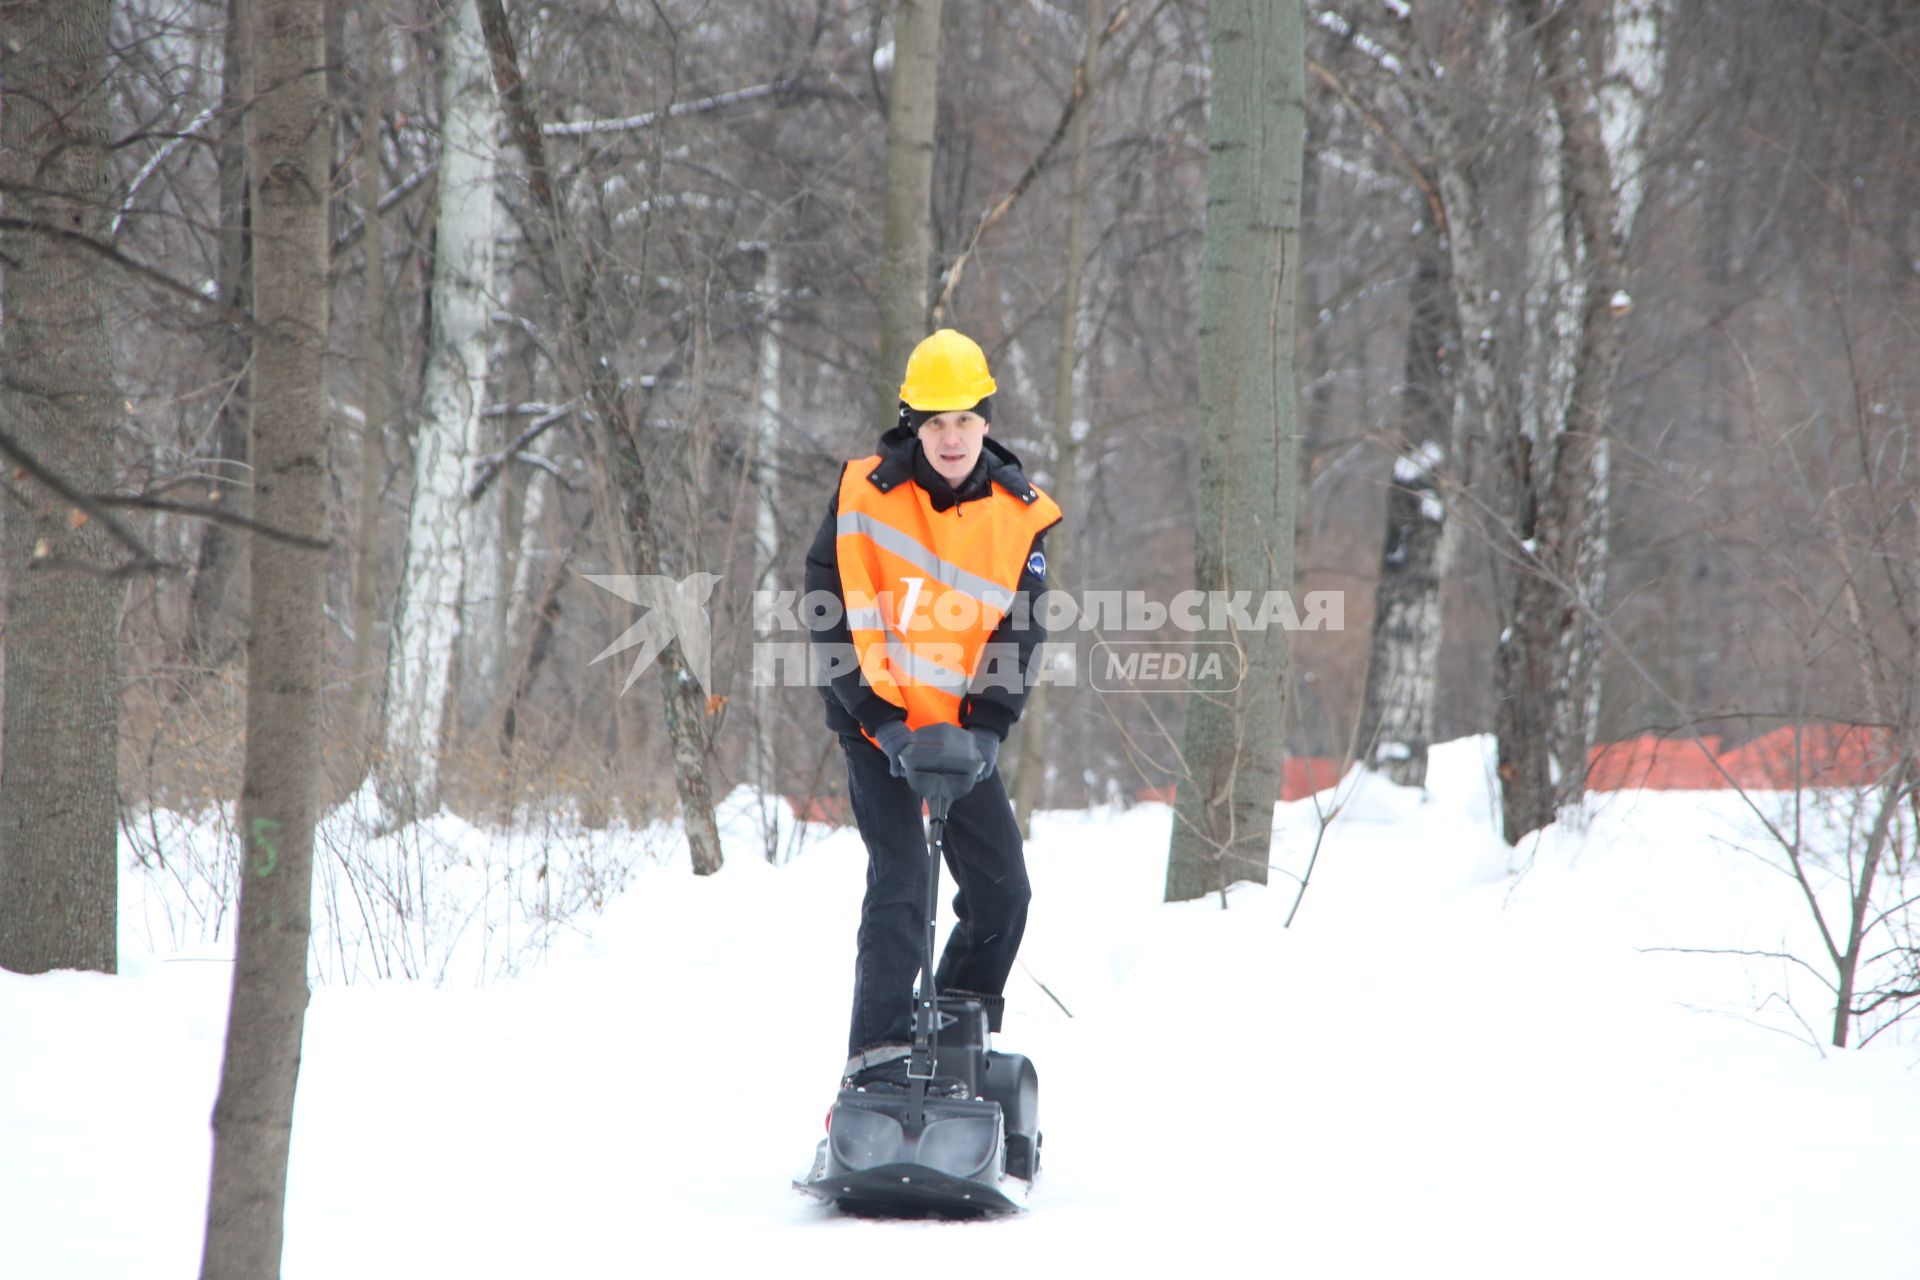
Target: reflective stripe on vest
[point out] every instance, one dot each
(924, 589)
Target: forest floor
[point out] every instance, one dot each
(1460, 1058)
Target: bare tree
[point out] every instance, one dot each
(446, 541)
(58, 802)
(907, 242)
(1552, 485)
(1245, 509)
(1397, 708)
(289, 137)
(220, 558)
(1049, 706)
(591, 351)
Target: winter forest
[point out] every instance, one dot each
(358, 359)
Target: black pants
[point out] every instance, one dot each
(987, 863)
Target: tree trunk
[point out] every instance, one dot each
(1052, 706)
(486, 581)
(766, 531)
(1396, 725)
(1635, 70)
(443, 536)
(1551, 487)
(1578, 713)
(221, 558)
(362, 704)
(58, 797)
(907, 201)
(1245, 508)
(290, 131)
(591, 352)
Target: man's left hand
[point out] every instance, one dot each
(989, 753)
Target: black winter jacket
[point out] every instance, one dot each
(851, 703)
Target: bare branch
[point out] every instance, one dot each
(647, 119)
(406, 187)
(155, 161)
(219, 515)
(491, 465)
(1083, 86)
(95, 510)
(141, 270)
(1740, 951)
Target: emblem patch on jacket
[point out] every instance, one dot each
(1037, 565)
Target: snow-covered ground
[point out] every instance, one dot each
(1461, 1059)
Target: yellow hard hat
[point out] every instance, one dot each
(947, 371)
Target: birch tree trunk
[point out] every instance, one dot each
(442, 528)
(1578, 712)
(1050, 706)
(907, 199)
(1245, 509)
(766, 525)
(58, 400)
(290, 131)
(1551, 311)
(220, 558)
(1402, 686)
(1635, 73)
(1552, 482)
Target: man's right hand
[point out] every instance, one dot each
(942, 763)
(893, 737)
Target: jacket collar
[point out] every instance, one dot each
(895, 468)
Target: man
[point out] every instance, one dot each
(933, 547)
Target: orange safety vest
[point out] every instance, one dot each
(924, 589)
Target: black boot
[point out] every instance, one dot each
(996, 1006)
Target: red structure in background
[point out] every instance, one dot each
(1301, 776)
(1656, 764)
(1810, 755)
(1819, 755)
(1816, 755)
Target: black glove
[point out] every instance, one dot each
(989, 752)
(893, 737)
(942, 763)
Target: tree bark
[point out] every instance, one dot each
(907, 200)
(766, 526)
(58, 796)
(444, 537)
(1245, 509)
(290, 131)
(362, 703)
(1402, 687)
(1550, 482)
(220, 562)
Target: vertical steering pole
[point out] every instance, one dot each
(926, 1006)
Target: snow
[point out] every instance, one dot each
(1418, 464)
(1366, 44)
(1462, 1058)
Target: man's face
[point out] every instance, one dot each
(952, 443)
